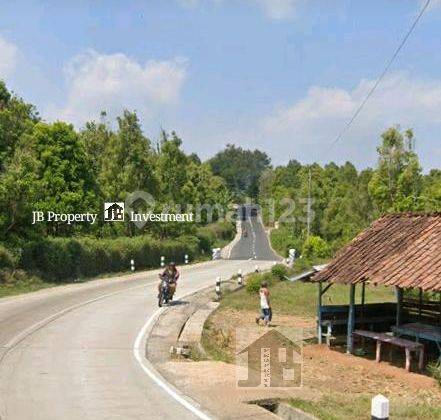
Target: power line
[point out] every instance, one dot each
(380, 78)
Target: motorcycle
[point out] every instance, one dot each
(164, 295)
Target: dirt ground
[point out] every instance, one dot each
(325, 370)
(329, 367)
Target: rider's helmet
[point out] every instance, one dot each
(172, 264)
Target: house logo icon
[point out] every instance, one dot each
(273, 360)
(113, 212)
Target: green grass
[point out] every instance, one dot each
(301, 298)
(215, 343)
(340, 407)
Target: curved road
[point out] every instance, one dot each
(255, 245)
(68, 352)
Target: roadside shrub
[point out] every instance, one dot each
(435, 370)
(7, 260)
(315, 246)
(214, 233)
(69, 258)
(63, 259)
(255, 280)
(302, 264)
(279, 271)
(283, 239)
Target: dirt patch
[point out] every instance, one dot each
(326, 372)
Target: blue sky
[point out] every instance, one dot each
(280, 75)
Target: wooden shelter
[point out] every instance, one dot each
(399, 250)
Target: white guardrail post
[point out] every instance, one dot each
(132, 265)
(291, 256)
(239, 277)
(216, 253)
(380, 408)
(162, 261)
(218, 287)
(186, 259)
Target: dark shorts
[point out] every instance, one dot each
(267, 314)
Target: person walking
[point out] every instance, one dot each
(265, 306)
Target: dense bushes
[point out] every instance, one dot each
(77, 257)
(69, 258)
(283, 239)
(214, 233)
(279, 271)
(7, 260)
(315, 246)
(255, 280)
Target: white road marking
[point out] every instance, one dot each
(147, 367)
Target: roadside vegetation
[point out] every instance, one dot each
(54, 167)
(346, 200)
(335, 406)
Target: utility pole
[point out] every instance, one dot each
(308, 219)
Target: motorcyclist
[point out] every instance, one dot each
(172, 274)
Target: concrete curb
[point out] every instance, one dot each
(268, 234)
(226, 250)
(151, 370)
(191, 334)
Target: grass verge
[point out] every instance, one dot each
(337, 406)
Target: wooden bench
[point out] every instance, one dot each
(408, 346)
(370, 314)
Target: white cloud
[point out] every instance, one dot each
(278, 9)
(315, 120)
(8, 57)
(113, 82)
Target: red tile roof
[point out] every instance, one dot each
(397, 250)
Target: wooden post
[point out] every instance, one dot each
(421, 359)
(378, 352)
(439, 318)
(408, 359)
(363, 293)
(319, 313)
(399, 295)
(363, 298)
(351, 320)
(420, 303)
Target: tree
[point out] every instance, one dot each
(16, 119)
(397, 182)
(65, 182)
(18, 188)
(241, 169)
(128, 163)
(432, 191)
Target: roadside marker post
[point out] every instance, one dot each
(380, 408)
(162, 261)
(132, 265)
(216, 253)
(186, 259)
(291, 256)
(239, 277)
(256, 268)
(218, 287)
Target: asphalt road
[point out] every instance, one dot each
(68, 352)
(255, 244)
